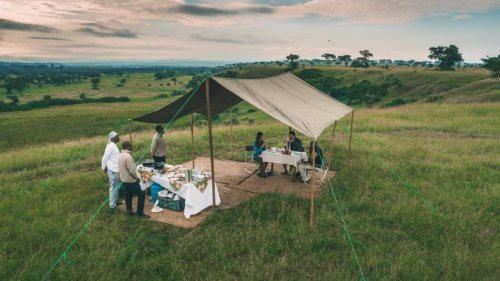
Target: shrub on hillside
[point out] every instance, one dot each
(434, 98)
(310, 73)
(162, 96)
(48, 101)
(396, 102)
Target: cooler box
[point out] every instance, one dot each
(175, 205)
(155, 188)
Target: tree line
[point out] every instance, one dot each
(444, 57)
(14, 103)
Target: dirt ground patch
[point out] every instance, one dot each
(236, 183)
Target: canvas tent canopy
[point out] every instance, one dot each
(285, 97)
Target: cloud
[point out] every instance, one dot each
(100, 30)
(48, 38)
(205, 11)
(19, 26)
(200, 37)
(388, 11)
(462, 17)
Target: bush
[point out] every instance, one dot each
(178, 93)
(48, 101)
(434, 98)
(251, 110)
(396, 102)
(309, 73)
(162, 96)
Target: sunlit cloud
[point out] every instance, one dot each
(242, 29)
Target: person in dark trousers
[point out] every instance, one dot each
(130, 180)
(159, 146)
(294, 144)
(258, 147)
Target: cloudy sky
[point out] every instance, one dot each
(244, 30)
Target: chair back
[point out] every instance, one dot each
(249, 148)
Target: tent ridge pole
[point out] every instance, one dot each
(313, 184)
(350, 138)
(192, 138)
(210, 140)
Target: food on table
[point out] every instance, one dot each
(146, 175)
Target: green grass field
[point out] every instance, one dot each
(50, 191)
(51, 185)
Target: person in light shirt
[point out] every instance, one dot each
(109, 164)
(159, 147)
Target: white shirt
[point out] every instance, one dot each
(110, 157)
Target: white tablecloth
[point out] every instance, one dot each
(196, 201)
(278, 157)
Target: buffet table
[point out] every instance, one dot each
(196, 198)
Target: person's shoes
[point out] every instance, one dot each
(285, 173)
(262, 175)
(270, 173)
(130, 214)
(143, 216)
(119, 203)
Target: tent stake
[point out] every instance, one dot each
(209, 117)
(130, 130)
(331, 145)
(313, 184)
(192, 138)
(350, 138)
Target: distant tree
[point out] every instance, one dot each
(365, 57)
(123, 81)
(14, 99)
(15, 84)
(47, 98)
(345, 59)
(280, 63)
(293, 61)
(95, 83)
(82, 96)
(493, 65)
(446, 56)
(174, 79)
(329, 58)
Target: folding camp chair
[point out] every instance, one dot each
(321, 172)
(250, 166)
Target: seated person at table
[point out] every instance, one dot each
(294, 144)
(318, 161)
(159, 147)
(130, 180)
(258, 147)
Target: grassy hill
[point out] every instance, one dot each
(445, 152)
(50, 191)
(415, 84)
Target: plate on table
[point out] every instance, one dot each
(163, 193)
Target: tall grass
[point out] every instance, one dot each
(447, 152)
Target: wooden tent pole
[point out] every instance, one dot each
(192, 138)
(231, 128)
(331, 145)
(130, 130)
(313, 184)
(209, 117)
(350, 138)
